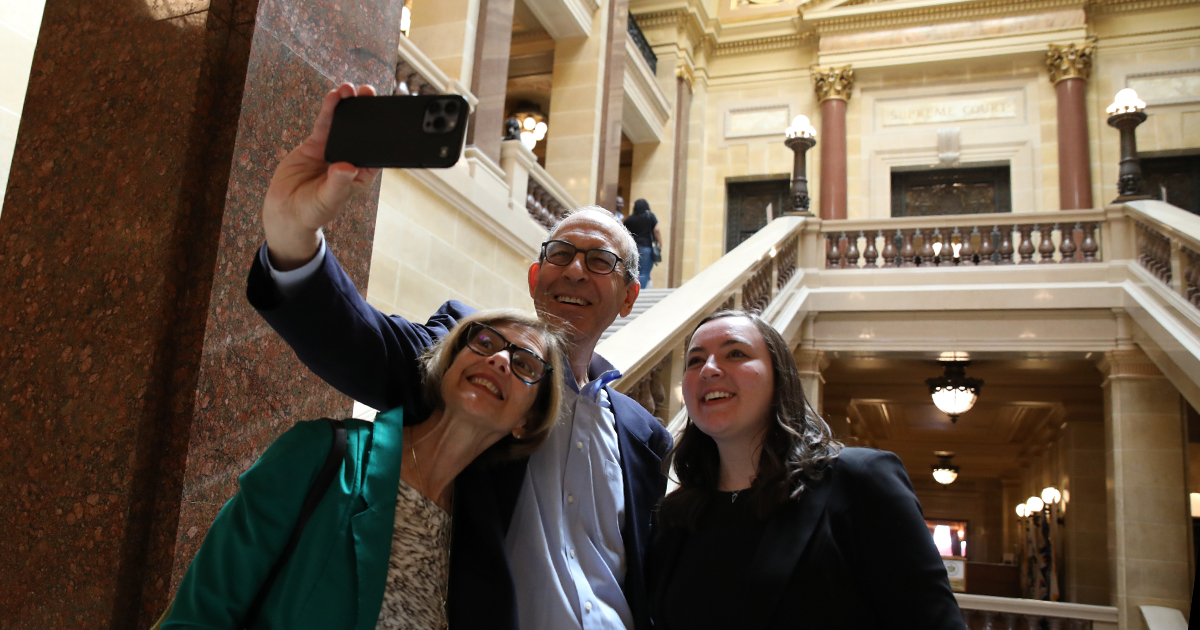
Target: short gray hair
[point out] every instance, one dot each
(626, 246)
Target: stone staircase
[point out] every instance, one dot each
(646, 299)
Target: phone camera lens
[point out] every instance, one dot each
(439, 123)
(435, 108)
(451, 108)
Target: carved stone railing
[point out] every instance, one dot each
(531, 187)
(1167, 244)
(751, 277)
(966, 240)
(416, 74)
(643, 46)
(984, 612)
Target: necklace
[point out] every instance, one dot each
(733, 498)
(417, 469)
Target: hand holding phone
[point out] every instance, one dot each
(399, 131)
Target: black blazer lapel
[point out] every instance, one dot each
(644, 485)
(786, 536)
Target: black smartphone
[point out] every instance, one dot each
(424, 131)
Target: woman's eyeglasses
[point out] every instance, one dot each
(526, 364)
(598, 261)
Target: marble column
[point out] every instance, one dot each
(1148, 516)
(833, 87)
(682, 116)
(612, 102)
(137, 381)
(489, 82)
(1069, 67)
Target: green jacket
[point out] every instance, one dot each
(336, 577)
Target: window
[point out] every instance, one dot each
(974, 190)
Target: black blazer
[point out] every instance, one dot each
(852, 552)
(373, 358)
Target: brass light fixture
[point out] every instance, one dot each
(954, 392)
(944, 472)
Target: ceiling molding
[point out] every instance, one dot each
(1111, 7)
(763, 44)
(894, 14)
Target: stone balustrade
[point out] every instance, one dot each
(984, 612)
(417, 74)
(1167, 245)
(966, 240)
(531, 188)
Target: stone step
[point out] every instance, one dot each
(646, 299)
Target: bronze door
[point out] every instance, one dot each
(951, 191)
(750, 205)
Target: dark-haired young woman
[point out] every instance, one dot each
(774, 524)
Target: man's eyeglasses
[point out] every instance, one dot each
(526, 364)
(598, 261)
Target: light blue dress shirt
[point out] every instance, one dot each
(564, 543)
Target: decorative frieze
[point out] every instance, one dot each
(833, 83)
(1070, 61)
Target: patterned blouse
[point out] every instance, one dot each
(419, 567)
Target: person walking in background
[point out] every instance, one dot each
(775, 525)
(644, 227)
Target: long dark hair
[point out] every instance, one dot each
(796, 450)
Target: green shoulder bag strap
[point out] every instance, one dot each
(337, 452)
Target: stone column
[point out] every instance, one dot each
(489, 82)
(1069, 68)
(611, 104)
(1148, 516)
(446, 33)
(683, 108)
(137, 382)
(1084, 578)
(583, 145)
(811, 363)
(833, 87)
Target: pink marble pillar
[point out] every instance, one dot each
(833, 159)
(137, 382)
(1074, 168)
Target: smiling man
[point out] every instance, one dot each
(554, 541)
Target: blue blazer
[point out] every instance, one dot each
(373, 358)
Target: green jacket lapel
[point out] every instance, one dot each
(372, 527)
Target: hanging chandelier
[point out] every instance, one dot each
(944, 472)
(954, 392)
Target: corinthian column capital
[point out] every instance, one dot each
(1070, 61)
(832, 83)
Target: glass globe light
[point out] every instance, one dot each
(1051, 495)
(528, 140)
(944, 472)
(953, 392)
(1125, 102)
(1035, 505)
(529, 123)
(800, 128)
(1022, 510)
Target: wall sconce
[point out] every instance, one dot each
(954, 392)
(1125, 114)
(944, 472)
(800, 136)
(1051, 495)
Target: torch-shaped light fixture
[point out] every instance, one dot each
(1125, 114)
(800, 137)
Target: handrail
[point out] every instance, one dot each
(531, 187)
(961, 220)
(1013, 605)
(417, 74)
(1166, 242)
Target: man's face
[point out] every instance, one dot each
(579, 301)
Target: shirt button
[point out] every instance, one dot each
(570, 498)
(579, 445)
(588, 607)
(572, 553)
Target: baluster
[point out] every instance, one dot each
(1080, 624)
(1006, 248)
(1056, 623)
(987, 248)
(1164, 258)
(833, 254)
(966, 255)
(907, 252)
(1193, 277)
(1032, 622)
(870, 255)
(1089, 246)
(889, 250)
(926, 259)
(851, 251)
(1046, 246)
(1009, 621)
(966, 613)
(1025, 249)
(989, 620)
(1066, 244)
(941, 254)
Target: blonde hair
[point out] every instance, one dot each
(544, 411)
